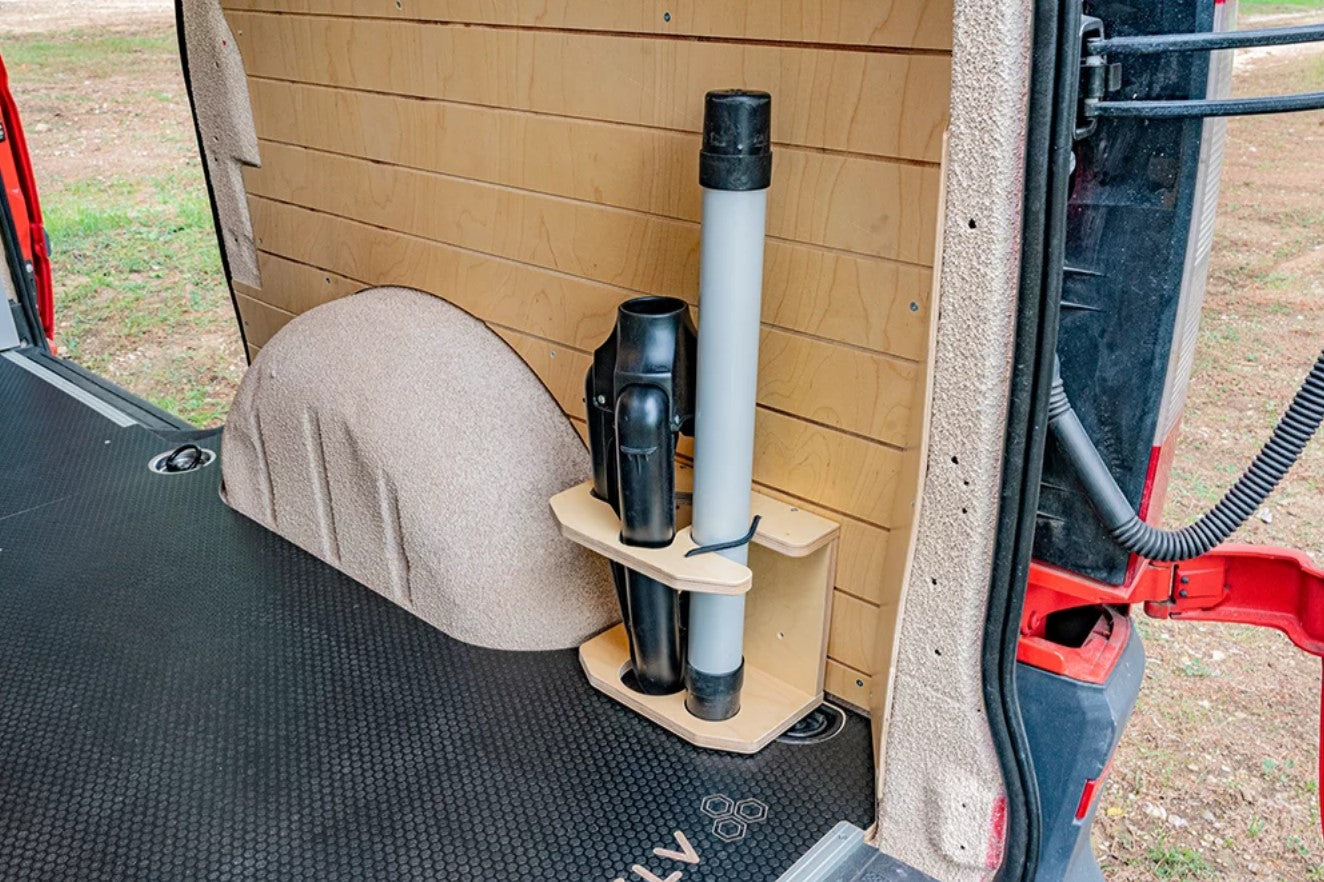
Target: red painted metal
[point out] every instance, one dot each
(1157, 477)
(18, 207)
(1248, 584)
(1089, 662)
(1052, 589)
(21, 184)
(995, 848)
(1252, 585)
(1150, 582)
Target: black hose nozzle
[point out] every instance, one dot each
(640, 393)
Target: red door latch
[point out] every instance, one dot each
(1246, 584)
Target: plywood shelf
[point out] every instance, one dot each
(588, 521)
(785, 529)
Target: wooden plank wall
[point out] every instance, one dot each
(536, 164)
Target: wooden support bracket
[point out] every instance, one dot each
(792, 564)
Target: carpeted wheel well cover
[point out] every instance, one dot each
(422, 468)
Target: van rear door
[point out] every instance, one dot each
(1118, 241)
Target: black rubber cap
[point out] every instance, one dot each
(713, 697)
(737, 141)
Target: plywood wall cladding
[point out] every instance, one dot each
(884, 209)
(907, 24)
(876, 103)
(536, 164)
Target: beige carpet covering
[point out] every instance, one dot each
(421, 467)
(218, 89)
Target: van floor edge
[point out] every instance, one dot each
(188, 695)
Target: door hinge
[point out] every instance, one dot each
(1101, 74)
(1250, 585)
(1098, 76)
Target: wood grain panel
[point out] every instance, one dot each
(638, 252)
(920, 24)
(261, 320)
(627, 249)
(860, 302)
(863, 572)
(842, 472)
(297, 287)
(851, 686)
(806, 377)
(863, 559)
(863, 102)
(853, 634)
(839, 471)
(869, 206)
(561, 370)
(857, 391)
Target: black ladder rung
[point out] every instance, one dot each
(1155, 44)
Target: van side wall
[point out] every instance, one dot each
(537, 166)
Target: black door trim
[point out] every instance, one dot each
(1054, 75)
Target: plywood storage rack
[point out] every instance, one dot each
(792, 563)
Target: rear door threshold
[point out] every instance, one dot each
(117, 405)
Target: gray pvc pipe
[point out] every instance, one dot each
(730, 306)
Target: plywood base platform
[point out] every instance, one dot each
(768, 706)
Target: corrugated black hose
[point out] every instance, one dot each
(1283, 448)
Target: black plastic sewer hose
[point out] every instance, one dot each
(1282, 450)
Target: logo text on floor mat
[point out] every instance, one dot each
(731, 819)
(683, 852)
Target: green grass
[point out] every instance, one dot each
(140, 296)
(1179, 864)
(1275, 7)
(137, 267)
(1311, 78)
(89, 53)
(1264, 6)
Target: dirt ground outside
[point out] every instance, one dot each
(140, 294)
(65, 16)
(1216, 778)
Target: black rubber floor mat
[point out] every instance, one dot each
(53, 446)
(187, 696)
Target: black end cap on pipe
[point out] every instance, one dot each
(737, 141)
(713, 697)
